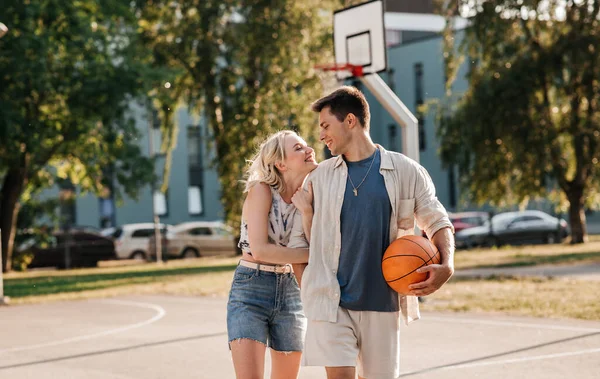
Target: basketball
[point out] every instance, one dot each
(402, 259)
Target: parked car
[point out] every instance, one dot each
(131, 240)
(465, 220)
(514, 228)
(85, 248)
(196, 239)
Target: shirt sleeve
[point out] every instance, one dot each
(430, 214)
(297, 236)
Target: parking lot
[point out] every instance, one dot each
(185, 337)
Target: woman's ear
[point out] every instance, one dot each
(281, 166)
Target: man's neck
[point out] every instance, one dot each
(363, 148)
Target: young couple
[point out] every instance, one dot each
(346, 317)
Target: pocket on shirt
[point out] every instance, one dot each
(406, 215)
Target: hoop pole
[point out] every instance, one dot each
(399, 112)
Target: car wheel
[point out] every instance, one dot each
(551, 238)
(139, 255)
(190, 253)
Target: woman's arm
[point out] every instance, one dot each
(256, 212)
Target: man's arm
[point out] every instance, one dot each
(441, 273)
(298, 240)
(303, 200)
(432, 216)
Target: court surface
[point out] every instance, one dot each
(185, 337)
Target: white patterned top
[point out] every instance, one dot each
(281, 216)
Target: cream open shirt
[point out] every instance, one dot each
(412, 195)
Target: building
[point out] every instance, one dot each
(194, 191)
(416, 74)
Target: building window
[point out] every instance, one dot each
(161, 205)
(419, 101)
(195, 171)
(391, 81)
(392, 133)
(195, 200)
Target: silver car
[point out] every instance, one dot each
(196, 239)
(514, 228)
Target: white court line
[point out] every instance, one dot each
(524, 359)
(509, 323)
(513, 324)
(160, 314)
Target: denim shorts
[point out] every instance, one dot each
(265, 307)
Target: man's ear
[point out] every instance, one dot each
(351, 120)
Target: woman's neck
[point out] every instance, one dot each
(291, 186)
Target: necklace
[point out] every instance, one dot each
(355, 188)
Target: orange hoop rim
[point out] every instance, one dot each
(354, 69)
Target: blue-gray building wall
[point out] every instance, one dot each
(402, 60)
(133, 211)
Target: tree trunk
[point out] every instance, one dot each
(13, 185)
(577, 216)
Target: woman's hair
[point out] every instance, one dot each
(262, 166)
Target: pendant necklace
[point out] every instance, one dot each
(355, 188)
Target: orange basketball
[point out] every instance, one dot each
(402, 259)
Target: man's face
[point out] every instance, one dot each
(333, 132)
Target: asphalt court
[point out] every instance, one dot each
(185, 337)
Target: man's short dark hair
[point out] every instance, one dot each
(344, 100)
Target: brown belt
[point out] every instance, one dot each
(278, 269)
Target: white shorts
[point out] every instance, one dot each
(369, 341)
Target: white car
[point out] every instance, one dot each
(131, 240)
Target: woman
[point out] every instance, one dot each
(264, 307)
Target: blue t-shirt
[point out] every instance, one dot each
(365, 227)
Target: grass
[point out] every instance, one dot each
(538, 297)
(193, 277)
(531, 296)
(529, 255)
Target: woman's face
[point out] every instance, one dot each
(299, 157)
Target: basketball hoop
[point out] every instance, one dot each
(355, 70)
(330, 78)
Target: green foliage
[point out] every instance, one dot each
(528, 125)
(69, 72)
(246, 69)
(21, 261)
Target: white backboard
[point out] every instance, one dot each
(359, 37)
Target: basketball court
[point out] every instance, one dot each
(185, 337)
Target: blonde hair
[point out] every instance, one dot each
(262, 166)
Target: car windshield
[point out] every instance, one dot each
(112, 232)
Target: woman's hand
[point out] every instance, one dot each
(303, 200)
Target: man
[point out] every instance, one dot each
(364, 198)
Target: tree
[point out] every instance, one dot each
(529, 123)
(69, 72)
(247, 69)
